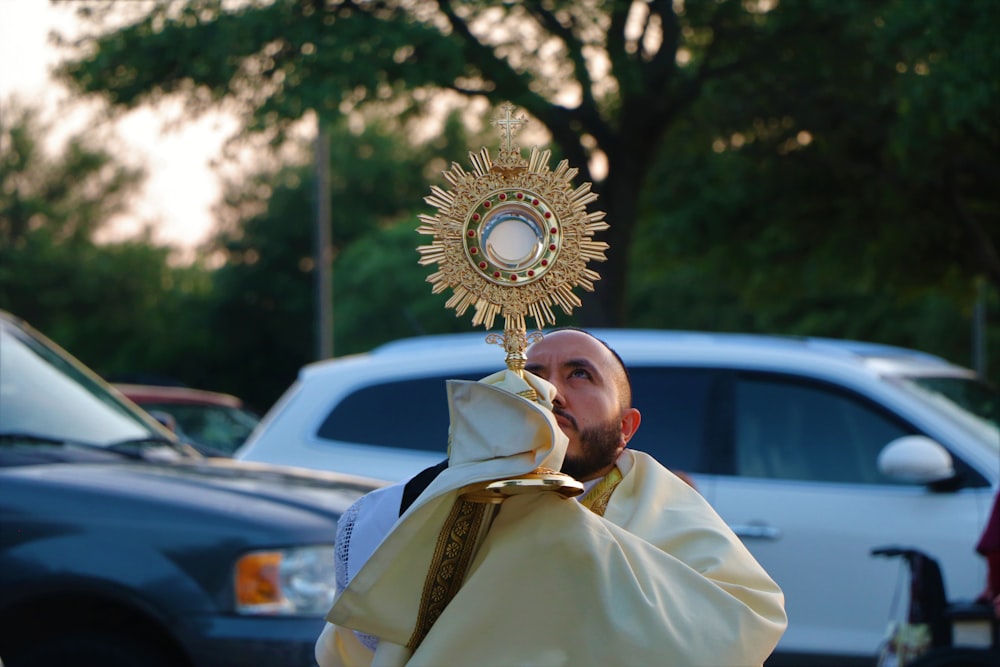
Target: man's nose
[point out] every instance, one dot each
(557, 400)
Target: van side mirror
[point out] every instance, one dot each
(916, 458)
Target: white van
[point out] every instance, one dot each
(813, 450)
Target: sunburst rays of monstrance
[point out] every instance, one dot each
(512, 238)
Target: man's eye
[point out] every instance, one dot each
(579, 373)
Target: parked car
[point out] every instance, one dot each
(813, 450)
(214, 422)
(121, 546)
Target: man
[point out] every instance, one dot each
(640, 571)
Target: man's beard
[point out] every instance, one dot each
(598, 450)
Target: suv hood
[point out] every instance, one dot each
(222, 485)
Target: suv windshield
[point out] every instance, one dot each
(970, 401)
(44, 395)
(977, 397)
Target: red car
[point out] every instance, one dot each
(214, 422)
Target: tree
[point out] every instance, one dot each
(71, 196)
(606, 79)
(850, 200)
(117, 306)
(823, 166)
(945, 141)
(261, 308)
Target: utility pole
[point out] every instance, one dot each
(324, 246)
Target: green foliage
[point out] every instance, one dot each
(262, 309)
(119, 307)
(275, 60)
(382, 294)
(72, 196)
(636, 69)
(821, 167)
(102, 302)
(828, 207)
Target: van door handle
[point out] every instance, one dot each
(756, 530)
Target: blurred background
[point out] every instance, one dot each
(218, 192)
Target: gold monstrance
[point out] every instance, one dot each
(512, 238)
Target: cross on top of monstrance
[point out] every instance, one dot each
(510, 153)
(512, 238)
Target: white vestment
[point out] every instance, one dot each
(658, 580)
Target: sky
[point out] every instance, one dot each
(181, 186)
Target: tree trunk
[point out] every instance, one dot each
(629, 154)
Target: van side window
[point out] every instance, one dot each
(790, 429)
(677, 405)
(409, 414)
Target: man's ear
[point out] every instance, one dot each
(630, 424)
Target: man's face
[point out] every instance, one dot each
(587, 404)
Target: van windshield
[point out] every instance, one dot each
(972, 402)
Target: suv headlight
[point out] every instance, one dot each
(297, 581)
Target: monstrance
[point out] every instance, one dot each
(512, 238)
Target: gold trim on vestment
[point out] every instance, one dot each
(469, 520)
(457, 542)
(597, 498)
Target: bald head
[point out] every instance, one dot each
(614, 364)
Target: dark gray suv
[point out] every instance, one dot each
(121, 547)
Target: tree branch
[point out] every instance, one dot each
(587, 114)
(556, 118)
(573, 47)
(663, 64)
(484, 57)
(621, 63)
